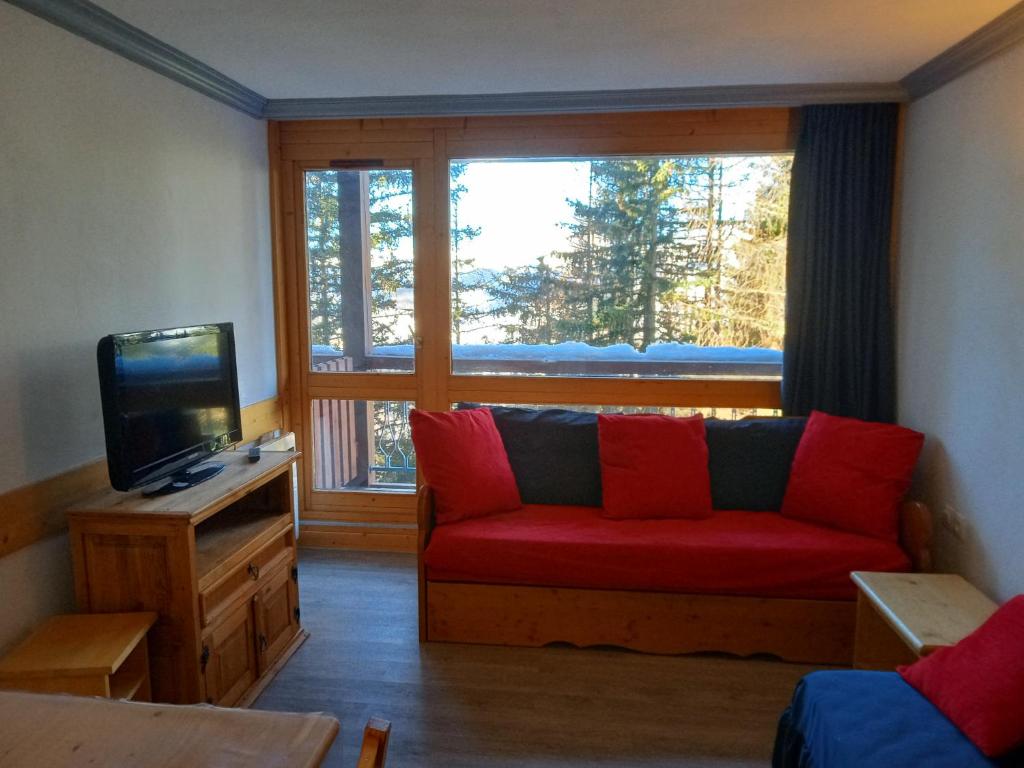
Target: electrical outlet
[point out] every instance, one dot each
(955, 522)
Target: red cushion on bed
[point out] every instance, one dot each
(761, 554)
(653, 466)
(463, 459)
(852, 474)
(979, 682)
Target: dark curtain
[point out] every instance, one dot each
(839, 347)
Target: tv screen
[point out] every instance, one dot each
(170, 400)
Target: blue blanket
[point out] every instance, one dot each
(854, 719)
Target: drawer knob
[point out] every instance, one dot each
(254, 571)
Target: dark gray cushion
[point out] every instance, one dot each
(553, 453)
(749, 461)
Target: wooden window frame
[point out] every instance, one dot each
(428, 145)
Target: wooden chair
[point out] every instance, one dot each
(375, 743)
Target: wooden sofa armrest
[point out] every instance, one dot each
(916, 534)
(424, 515)
(424, 524)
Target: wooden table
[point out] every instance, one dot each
(90, 654)
(904, 616)
(65, 731)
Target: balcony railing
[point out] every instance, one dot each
(463, 363)
(367, 445)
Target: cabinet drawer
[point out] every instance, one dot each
(242, 582)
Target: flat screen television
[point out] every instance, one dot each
(170, 401)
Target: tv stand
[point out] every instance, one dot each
(216, 562)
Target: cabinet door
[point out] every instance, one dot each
(277, 620)
(231, 661)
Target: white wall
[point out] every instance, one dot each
(961, 317)
(126, 202)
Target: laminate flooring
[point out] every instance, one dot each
(470, 705)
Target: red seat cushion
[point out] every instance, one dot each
(653, 466)
(463, 459)
(760, 554)
(852, 474)
(979, 682)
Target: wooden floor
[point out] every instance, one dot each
(467, 705)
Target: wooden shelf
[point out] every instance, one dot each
(230, 535)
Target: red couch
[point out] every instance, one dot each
(743, 582)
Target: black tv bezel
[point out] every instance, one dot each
(124, 476)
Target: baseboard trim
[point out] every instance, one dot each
(359, 537)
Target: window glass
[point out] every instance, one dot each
(362, 444)
(641, 266)
(359, 247)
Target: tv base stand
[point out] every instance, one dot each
(187, 478)
(216, 562)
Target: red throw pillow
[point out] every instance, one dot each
(654, 466)
(852, 474)
(463, 460)
(979, 682)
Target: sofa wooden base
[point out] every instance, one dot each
(809, 631)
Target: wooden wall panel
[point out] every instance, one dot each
(36, 511)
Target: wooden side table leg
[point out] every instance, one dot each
(145, 693)
(875, 644)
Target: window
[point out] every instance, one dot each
(359, 248)
(626, 261)
(362, 444)
(640, 266)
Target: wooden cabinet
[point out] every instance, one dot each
(216, 562)
(276, 608)
(228, 658)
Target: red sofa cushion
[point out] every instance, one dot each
(852, 474)
(653, 466)
(760, 554)
(979, 682)
(463, 459)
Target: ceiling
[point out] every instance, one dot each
(346, 48)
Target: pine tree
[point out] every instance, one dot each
(529, 304)
(633, 249)
(322, 245)
(462, 313)
(755, 296)
(390, 271)
(390, 203)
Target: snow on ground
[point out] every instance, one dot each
(575, 350)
